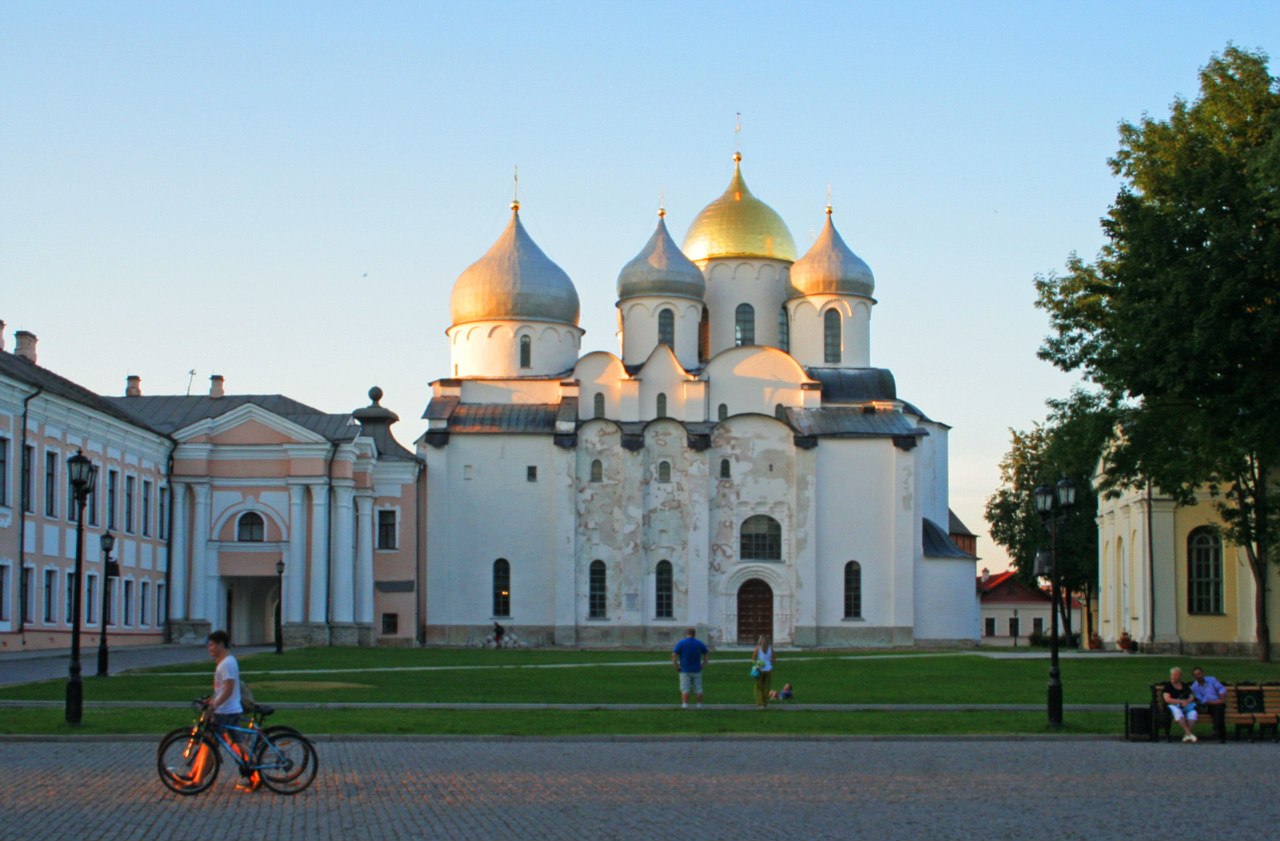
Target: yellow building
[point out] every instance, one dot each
(1168, 579)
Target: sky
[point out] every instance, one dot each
(284, 193)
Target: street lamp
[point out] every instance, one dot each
(1052, 504)
(279, 605)
(110, 569)
(81, 473)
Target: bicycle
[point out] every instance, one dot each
(188, 759)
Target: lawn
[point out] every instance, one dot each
(552, 676)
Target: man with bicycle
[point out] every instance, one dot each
(224, 705)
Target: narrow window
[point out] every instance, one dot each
(598, 404)
(162, 514)
(704, 337)
(28, 455)
(723, 412)
(852, 590)
(662, 406)
(761, 539)
(387, 528)
(126, 606)
(50, 600)
(390, 624)
(26, 596)
(666, 327)
(744, 325)
(831, 337)
(51, 484)
(113, 481)
(1037, 625)
(784, 330)
(4, 592)
(146, 508)
(162, 605)
(596, 591)
(1014, 629)
(144, 604)
(989, 627)
(664, 471)
(1204, 572)
(526, 352)
(597, 471)
(90, 602)
(251, 528)
(531, 473)
(4, 472)
(91, 501)
(129, 484)
(664, 591)
(109, 599)
(724, 469)
(70, 589)
(501, 587)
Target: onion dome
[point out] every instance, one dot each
(661, 269)
(514, 280)
(738, 225)
(831, 268)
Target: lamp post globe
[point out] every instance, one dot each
(110, 569)
(81, 473)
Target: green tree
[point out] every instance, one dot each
(1177, 319)
(1068, 444)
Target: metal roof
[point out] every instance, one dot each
(854, 385)
(51, 383)
(519, 418)
(938, 544)
(851, 422)
(169, 413)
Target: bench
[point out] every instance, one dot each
(1247, 706)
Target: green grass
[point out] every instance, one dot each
(338, 675)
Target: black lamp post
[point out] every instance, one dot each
(279, 606)
(1053, 503)
(80, 472)
(110, 569)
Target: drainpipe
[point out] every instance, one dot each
(23, 501)
(1151, 565)
(328, 530)
(420, 517)
(168, 547)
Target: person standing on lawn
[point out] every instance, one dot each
(763, 658)
(689, 656)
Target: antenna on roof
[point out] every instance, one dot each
(191, 375)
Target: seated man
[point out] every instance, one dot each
(1211, 696)
(1182, 705)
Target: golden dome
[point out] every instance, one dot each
(738, 225)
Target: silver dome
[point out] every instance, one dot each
(514, 280)
(830, 267)
(661, 269)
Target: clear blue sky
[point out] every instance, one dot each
(284, 193)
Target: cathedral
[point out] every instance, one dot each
(739, 466)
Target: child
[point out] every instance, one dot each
(783, 694)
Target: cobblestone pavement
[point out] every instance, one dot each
(712, 789)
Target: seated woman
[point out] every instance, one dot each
(1181, 705)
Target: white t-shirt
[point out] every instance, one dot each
(227, 670)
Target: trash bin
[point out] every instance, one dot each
(1137, 724)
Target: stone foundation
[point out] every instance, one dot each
(189, 631)
(303, 634)
(344, 633)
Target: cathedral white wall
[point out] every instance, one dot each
(932, 459)
(763, 284)
(640, 328)
(753, 379)
(808, 330)
(492, 348)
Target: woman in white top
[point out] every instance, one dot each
(763, 658)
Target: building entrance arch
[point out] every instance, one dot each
(755, 610)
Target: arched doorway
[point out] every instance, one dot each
(755, 611)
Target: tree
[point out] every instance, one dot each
(1178, 320)
(1068, 444)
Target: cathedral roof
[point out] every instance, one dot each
(738, 225)
(661, 269)
(514, 280)
(831, 267)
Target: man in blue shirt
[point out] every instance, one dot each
(689, 656)
(1211, 695)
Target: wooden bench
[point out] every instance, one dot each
(1261, 710)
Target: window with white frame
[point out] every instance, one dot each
(1204, 572)
(250, 528)
(831, 337)
(146, 508)
(162, 513)
(6, 582)
(144, 603)
(162, 605)
(28, 492)
(597, 598)
(126, 603)
(853, 590)
(27, 595)
(597, 404)
(761, 539)
(387, 528)
(666, 327)
(744, 325)
(113, 485)
(664, 591)
(130, 487)
(69, 588)
(90, 603)
(50, 600)
(4, 472)
(51, 483)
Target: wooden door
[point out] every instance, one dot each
(755, 611)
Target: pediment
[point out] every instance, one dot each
(248, 425)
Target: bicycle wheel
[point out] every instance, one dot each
(186, 764)
(286, 760)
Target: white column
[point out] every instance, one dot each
(343, 558)
(178, 556)
(201, 587)
(319, 554)
(295, 573)
(364, 559)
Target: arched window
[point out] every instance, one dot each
(501, 587)
(761, 539)
(526, 352)
(667, 327)
(597, 405)
(744, 325)
(1204, 571)
(664, 471)
(723, 412)
(831, 337)
(784, 330)
(597, 471)
(664, 591)
(853, 590)
(250, 529)
(704, 337)
(596, 591)
(724, 469)
(662, 406)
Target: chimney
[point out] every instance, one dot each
(26, 348)
(215, 386)
(134, 386)
(986, 575)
